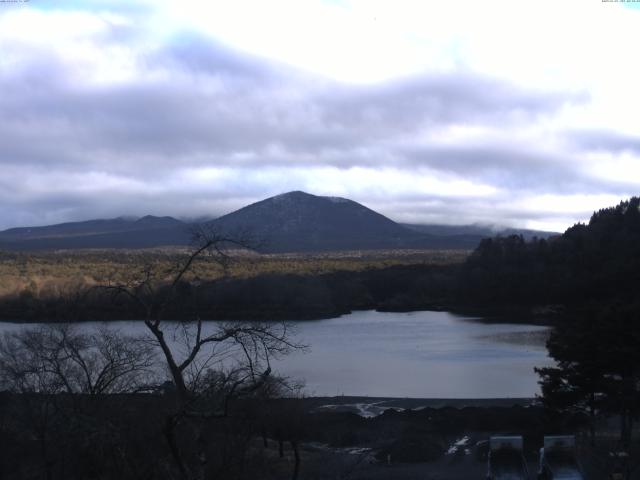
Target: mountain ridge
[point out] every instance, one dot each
(304, 222)
(290, 222)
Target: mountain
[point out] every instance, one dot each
(291, 222)
(301, 222)
(118, 232)
(298, 221)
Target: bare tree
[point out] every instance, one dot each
(61, 375)
(55, 359)
(209, 364)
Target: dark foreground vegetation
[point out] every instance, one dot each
(125, 436)
(134, 436)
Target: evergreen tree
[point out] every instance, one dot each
(598, 366)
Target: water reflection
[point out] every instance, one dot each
(418, 354)
(415, 354)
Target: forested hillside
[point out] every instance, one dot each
(596, 261)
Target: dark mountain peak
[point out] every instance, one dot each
(304, 199)
(151, 221)
(299, 207)
(291, 194)
(296, 196)
(300, 196)
(299, 221)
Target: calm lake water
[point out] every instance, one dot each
(415, 354)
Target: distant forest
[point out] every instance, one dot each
(597, 262)
(594, 262)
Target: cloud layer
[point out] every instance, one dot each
(108, 112)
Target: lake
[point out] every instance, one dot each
(416, 354)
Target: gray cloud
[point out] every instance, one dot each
(514, 167)
(441, 99)
(196, 103)
(219, 103)
(604, 140)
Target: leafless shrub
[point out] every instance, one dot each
(63, 359)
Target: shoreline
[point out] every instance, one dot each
(373, 406)
(490, 315)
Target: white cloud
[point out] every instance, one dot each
(453, 112)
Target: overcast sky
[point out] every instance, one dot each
(519, 113)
